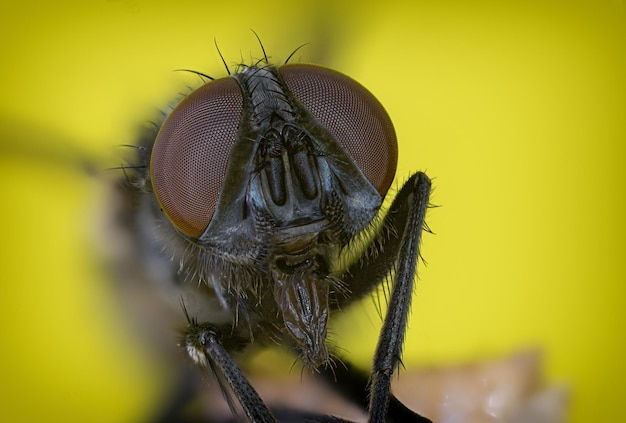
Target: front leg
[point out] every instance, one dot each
(395, 247)
(409, 206)
(204, 344)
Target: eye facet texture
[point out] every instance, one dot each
(191, 154)
(352, 115)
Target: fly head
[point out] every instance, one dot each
(275, 169)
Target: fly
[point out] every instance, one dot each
(258, 188)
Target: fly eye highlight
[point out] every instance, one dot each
(352, 115)
(191, 153)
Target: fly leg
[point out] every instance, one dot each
(413, 203)
(395, 248)
(204, 343)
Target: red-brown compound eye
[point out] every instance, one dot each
(191, 152)
(352, 115)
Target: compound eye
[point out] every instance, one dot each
(191, 154)
(352, 115)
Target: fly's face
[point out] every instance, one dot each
(259, 183)
(275, 170)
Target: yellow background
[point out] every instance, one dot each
(516, 108)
